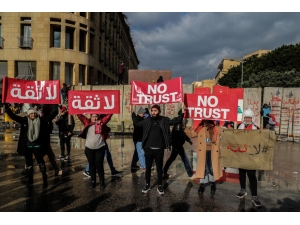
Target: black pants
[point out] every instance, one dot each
(64, 139)
(252, 180)
(120, 78)
(158, 156)
(95, 158)
(51, 157)
(38, 154)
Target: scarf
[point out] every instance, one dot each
(33, 129)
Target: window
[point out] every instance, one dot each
(3, 70)
(1, 39)
(25, 39)
(69, 38)
(55, 36)
(82, 41)
(83, 14)
(91, 78)
(81, 74)
(25, 70)
(54, 71)
(69, 73)
(92, 44)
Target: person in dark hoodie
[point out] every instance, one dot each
(179, 137)
(34, 140)
(65, 131)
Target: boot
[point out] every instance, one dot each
(93, 184)
(212, 187)
(102, 185)
(201, 189)
(45, 177)
(29, 171)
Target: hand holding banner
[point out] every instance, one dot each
(30, 91)
(169, 91)
(94, 102)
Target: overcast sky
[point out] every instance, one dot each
(193, 44)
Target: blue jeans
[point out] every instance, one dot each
(108, 158)
(209, 174)
(141, 154)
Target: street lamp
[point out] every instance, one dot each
(242, 73)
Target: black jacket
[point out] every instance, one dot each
(44, 136)
(63, 124)
(164, 122)
(178, 138)
(138, 131)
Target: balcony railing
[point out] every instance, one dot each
(25, 42)
(1, 42)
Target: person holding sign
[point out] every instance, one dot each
(208, 153)
(156, 134)
(248, 116)
(95, 136)
(34, 139)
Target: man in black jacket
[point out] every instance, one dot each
(65, 131)
(156, 135)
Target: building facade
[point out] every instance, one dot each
(77, 48)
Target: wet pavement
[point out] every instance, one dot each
(278, 190)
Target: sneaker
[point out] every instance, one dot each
(146, 188)
(86, 173)
(242, 193)
(201, 189)
(61, 157)
(116, 173)
(256, 202)
(135, 167)
(67, 158)
(160, 190)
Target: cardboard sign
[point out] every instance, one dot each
(248, 149)
(212, 106)
(169, 91)
(30, 91)
(94, 102)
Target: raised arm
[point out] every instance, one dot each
(83, 118)
(177, 119)
(106, 118)
(18, 119)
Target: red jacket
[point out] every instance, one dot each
(100, 126)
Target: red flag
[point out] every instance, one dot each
(30, 91)
(169, 91)
(94, 102)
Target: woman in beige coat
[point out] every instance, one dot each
(208, 153)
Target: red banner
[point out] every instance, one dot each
(212, 106)
(94, 102)
(30, 91)
(169, 91)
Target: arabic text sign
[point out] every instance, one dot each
(94, 102)
(169, 91)
(248, 149)
(212, 106)
(29, 91)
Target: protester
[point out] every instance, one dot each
(64, 92)
(160, 79)
(248, 117)
(121, 71)
(156, 134)
(113, 170)
(271, 123)
(34, 139)
(138, 154)
(95, 144)
(266, 109)
(208, 153)
(65, 132)
(49, 115)
(179, 137)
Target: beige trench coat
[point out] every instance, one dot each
(201, 154)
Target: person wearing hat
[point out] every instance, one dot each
(138, 154)
(95, 134)
(156, 138)
(247, 124)
(34, 139)
(65, 131)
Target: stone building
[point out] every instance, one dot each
(78, 48)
